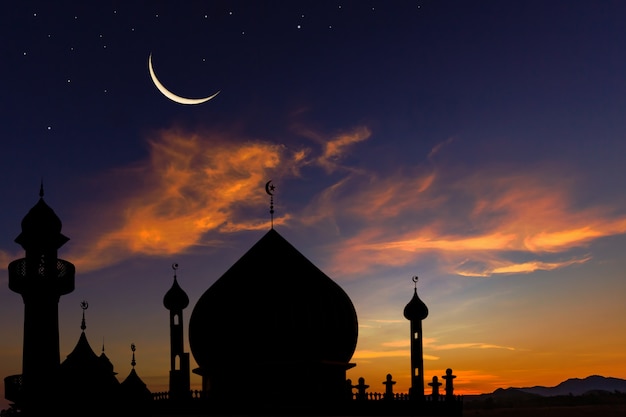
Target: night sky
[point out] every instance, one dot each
(476, 144)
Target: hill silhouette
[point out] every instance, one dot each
(579, 386)
(593, 391)
(574, 386)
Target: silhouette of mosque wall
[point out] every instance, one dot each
(272, 335)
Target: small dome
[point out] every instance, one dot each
(134, 389)
(106, 363)
(41, 228)
(415, 309)
(175, 298)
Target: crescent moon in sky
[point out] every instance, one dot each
(167, 93)
(269, 187)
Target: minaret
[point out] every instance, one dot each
(175, 300)
(41, 279)
(416, 311)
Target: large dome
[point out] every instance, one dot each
(273, 305)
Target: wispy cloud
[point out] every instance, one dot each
(191, 184)
(507, 267)
(375, 354)
(484, 224)
(450, 346)
(487, 223)
(397, 344)
(333, 148)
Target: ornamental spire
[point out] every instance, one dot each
(84, 305)
(269, 189)
(132, 362)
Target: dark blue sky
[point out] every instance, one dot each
(461, 138)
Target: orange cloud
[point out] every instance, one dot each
(481, 224)
(375, 354)
(397, 343)
(190, 185)
(490, 221)
(514, 268)
(335, 148)
(450, 346)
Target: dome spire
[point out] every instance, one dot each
(132, 362)
(41, 189)
(84, 305)
(269, 189)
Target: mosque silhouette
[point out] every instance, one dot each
(299, 355)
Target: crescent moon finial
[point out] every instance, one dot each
(133, 362)
(414, 279)
(269, 189)
(84, 305)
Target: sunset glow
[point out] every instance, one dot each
(476, 146)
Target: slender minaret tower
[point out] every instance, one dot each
(41, 279)
(176, 300)
(416, 311)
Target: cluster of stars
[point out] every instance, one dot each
(84, 52)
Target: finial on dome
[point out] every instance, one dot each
(84, 305)
(41, 189)
(174, 267)
(269, 189)
(132, 362)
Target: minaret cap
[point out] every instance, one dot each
(175, 298)
(41, 227)
(269, 189)
(416, 309)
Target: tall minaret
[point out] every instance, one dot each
(416, 311)
(175, 300)
(41, 279)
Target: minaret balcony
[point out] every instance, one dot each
(26, 277)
